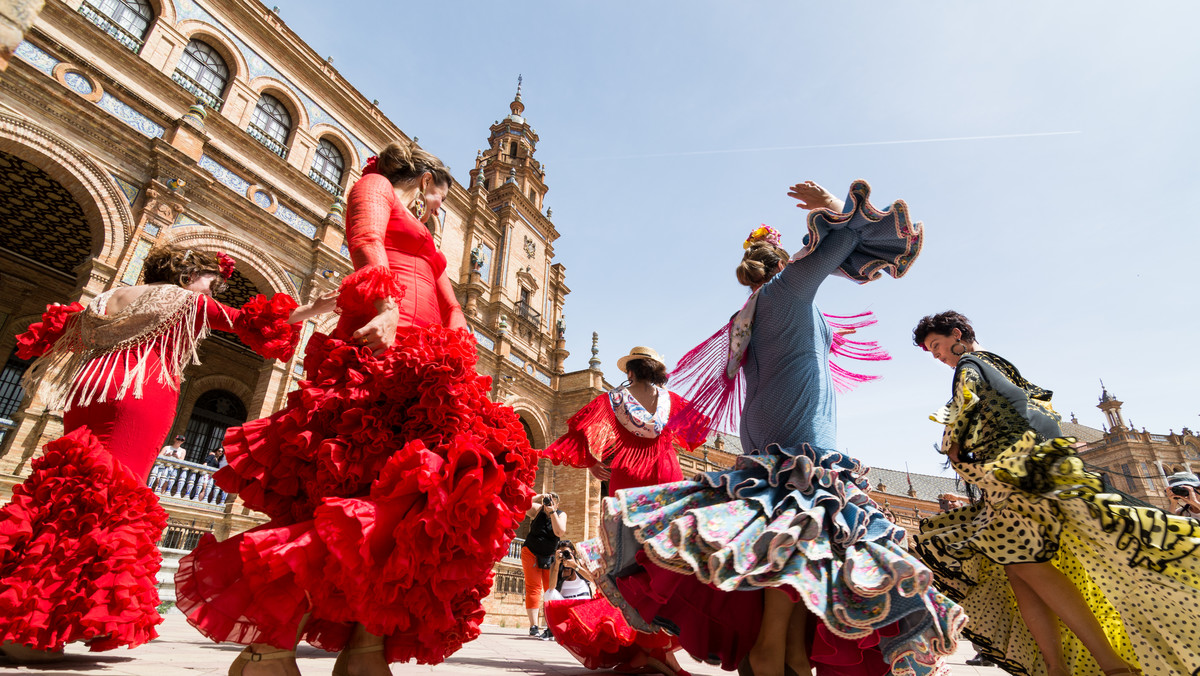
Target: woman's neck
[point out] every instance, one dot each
(645, 394)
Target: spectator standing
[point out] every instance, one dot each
(537, 554)
(175, 451)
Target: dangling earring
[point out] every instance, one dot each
(417, 206)
(958, 349)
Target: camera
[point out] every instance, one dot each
(1181, 491)
(565, 554)
(547, 502)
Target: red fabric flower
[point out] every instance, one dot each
(370, 167)
(263, 326)
(41, 336)
(227, 264)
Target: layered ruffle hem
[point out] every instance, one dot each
(79, 551)
(797, 519)
(1138, 568)
(394, 486)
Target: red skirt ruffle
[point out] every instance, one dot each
(79, 551)
(394, 486)
(597, 634)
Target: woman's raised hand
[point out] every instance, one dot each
(812, 196)
(379, 333)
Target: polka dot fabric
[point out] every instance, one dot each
(1138, 568)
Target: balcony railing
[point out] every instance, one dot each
(329, 186)
(93, 14)
(186, 481)
(526, 312)
(265, 139)
(211, 100)
(182, 535)
(514, 550)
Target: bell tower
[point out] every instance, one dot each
(509, 157)
(1112, 409)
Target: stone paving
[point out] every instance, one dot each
(180, 650)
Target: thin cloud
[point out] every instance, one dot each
(948, 139)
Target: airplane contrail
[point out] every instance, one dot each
(946, 139)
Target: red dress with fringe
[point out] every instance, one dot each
(79, 539)
(593, 630)
(392, 482)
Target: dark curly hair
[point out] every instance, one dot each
(943, 323)
(648, 370)
(170, 264)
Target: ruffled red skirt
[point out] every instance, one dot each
(394, 486)
(597, 634)
(79, 551)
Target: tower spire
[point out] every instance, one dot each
(517, 107)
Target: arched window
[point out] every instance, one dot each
(125, 20)
(328, 167)
(202, 72)
(271, 124)
(215, 411)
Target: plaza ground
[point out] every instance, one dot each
(181, 650)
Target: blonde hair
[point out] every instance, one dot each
(405, 163)
(760, 262)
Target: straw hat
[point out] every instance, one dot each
(640, 352)
(1183, 479)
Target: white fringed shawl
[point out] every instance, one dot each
(165, 325)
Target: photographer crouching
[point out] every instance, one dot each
(538, 553)
(569, 579)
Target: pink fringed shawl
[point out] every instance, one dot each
(710, 375)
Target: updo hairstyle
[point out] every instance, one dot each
(177, 265)
(648, 371)
(760, 262)
(943, 324)
(404, 163)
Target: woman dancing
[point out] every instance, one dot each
(792, 517)
(1046, 543)
(392, 482)
(79, 540)
(627, 437)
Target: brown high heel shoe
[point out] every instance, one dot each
(340, 668)
(248, 655)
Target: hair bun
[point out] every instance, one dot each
(396, 158)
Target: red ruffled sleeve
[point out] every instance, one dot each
(689, 427)
(361, 288)
(589, 432)
(263, 325)
(41, 336)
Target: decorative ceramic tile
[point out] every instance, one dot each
(485, 341)
(293, 219)
(151, 229)
(130, 116)
(37, 58)
(296, 280)
(542, 378)
(128, 189)
(134, 270)
(262, 199)
(183, 220)
(516, 360)
(225, 176)
(345, 252)
(79, 83)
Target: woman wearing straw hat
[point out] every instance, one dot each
(1185, 489)
(627, 437)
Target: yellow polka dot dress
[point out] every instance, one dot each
(1138, 568)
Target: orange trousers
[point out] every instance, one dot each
(536, 579)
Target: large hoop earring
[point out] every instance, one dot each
(417, 206)
(958, 349)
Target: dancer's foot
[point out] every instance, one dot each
(758, 664)
(363, 660)
(259, 660)
(22, 654)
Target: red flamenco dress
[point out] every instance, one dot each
(392, 482)
(639, 449)
(79, 539)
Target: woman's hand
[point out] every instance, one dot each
(379, 333)
(601, 471)
(952, 452)
(812, 196)
(320, 306)
(1191, 500)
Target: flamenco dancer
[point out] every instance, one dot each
(392, 482)
(79, 540)
(1046, 543)
(626, 437)
(739, 563)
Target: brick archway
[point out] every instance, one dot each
(266, 274)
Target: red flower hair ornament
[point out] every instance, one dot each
(227, 264)
(370, 167)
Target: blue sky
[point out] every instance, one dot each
(1071, 252)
